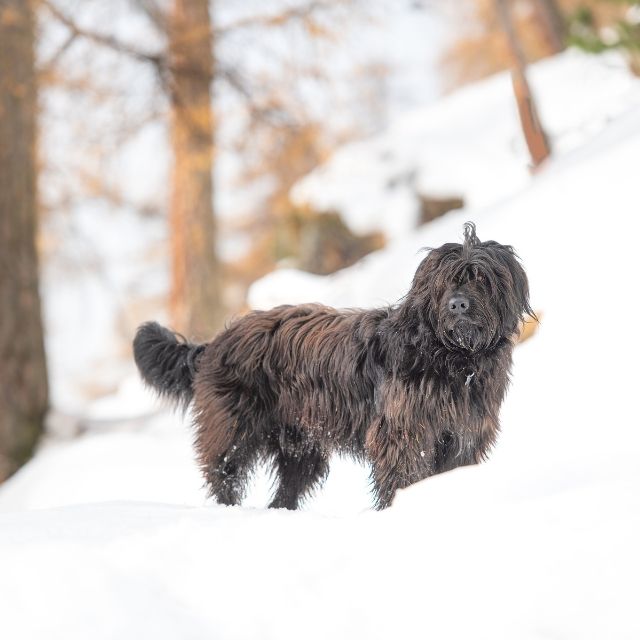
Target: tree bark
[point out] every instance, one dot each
(553, 24)
(23, 377)
(195, 300)
(534, 134)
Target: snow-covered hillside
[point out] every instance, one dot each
(540, 542)
(467, 145)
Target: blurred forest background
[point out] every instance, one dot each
(148, 150)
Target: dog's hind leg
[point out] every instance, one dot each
(297, 477)
(300, 467)
(228, 475)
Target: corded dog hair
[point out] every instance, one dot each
(413, 389)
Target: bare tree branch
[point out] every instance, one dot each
(154, 13)
(553, 24)
(48, 66)
(157, 59)
(283, 17)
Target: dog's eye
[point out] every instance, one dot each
(481, 279)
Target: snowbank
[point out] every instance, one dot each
(495, 566)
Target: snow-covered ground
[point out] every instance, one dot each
(109, 535)
(468, 144)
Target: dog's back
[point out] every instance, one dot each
(306, 367)
(290, 385)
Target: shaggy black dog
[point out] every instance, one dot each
(413, 389)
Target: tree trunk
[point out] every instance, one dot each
(535, 137)
(195, 301)
(552, 23)
(23, 377)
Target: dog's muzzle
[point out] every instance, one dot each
(465, 334)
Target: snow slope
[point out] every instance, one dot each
(540, 542)
(500, 565)
(468, 144)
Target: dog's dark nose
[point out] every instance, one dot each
(459, 304)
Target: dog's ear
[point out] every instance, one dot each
(420, 300)
(514, 288)
(418, 295)
(431, 270)
(520, 281)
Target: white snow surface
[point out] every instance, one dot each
(468, 144)
(110, 536)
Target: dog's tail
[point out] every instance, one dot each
(167, 361)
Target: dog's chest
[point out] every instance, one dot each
(446, 393)
(464, 399)
(456, 394)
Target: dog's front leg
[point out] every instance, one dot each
(399, 457)
(459, 447)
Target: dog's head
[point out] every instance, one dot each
(472, 294)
